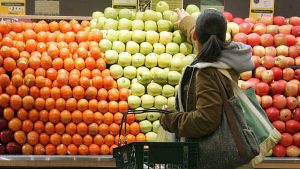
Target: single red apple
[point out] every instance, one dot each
(279, 151)
(294, 51)
(6, 136)
(268, 62)
(256, 61)
(245, 28)
(13, 148)
(228, 16)
(267, 20)
(262, 88)
(279, 125)
(296, 31)
(280, 39)
(259, 28)
(285, 29)
(281, 62)
(285, 114)
(271, 51)
(240, 37)
(272, 113)
(288, 74)
(258, 71)
(286, 139)
(292, 126)
(277, 87)
(266, 102)
(266, 40)
(290, 40)
(267, 76)
(291, 102)
(238, 20)
(296, 138)
(250, 20)
(277, 73)
(291, 89)
(296, 114)
(295, 21)
(259, 51)
(279, 20)
(272, 29)
(253, 39)
(279, 101)
(292, 151)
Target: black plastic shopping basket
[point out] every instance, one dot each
(154, 155)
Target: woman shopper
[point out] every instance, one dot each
(199, 102)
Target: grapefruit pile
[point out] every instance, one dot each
(56, 95)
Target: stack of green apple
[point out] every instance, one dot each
(147, 55)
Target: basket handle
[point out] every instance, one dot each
(124, 119)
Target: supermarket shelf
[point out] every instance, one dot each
(45, 17)
(56, 161)
(280, 163)
(108, 161)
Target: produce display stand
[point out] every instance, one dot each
(107, 161)
(15, 161)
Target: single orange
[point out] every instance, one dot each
(20, 137)
(71, 128)
(55, 139)
(32, 138)
(87, 140)
(77, 139)
(50, 149)
(94, 149)
(27, 149)
(39, 149)
(49, 128)
(39, 127)
(82, 129)
(27, 126)
(72, 149)
(44, 139)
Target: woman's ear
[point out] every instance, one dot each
(194, 36)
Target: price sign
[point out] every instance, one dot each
(259, 8)
(12, 7)
(130, 4)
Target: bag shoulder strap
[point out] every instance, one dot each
(237, 136)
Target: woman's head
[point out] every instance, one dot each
(210, 33)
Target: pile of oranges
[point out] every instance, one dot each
(56, 93)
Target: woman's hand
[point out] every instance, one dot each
(181, 14)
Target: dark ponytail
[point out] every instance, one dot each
(210, 30)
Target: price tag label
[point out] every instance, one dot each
(260, 8)
(12, 7)
(130, 4)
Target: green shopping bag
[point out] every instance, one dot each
(267, 135)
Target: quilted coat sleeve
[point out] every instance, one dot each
(206, 118)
